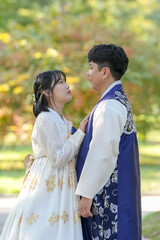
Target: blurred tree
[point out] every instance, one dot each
(41, 35)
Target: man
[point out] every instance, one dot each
(108, 162)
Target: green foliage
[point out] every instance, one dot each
(150, 227)
(43, 35)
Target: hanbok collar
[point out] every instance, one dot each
(68, 124)
(110, 87)
(62, 120)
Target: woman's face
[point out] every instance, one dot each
(61, 92)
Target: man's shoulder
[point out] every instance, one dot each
(109, 106)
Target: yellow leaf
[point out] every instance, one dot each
(19, 79)
(52, 52)
(18, 90)
(4, 87)
(66, 70)
(5, 37)
(22, 42)
(73, 79)
(38, 55)
(13, 128)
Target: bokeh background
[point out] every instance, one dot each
(37, 35)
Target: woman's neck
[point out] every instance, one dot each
(57, 109)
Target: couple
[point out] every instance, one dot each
(107, 164)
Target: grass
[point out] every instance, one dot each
(151, 226)
(12, 169)
(11, 181)
(150, 163)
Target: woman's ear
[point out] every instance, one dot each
(47, 93)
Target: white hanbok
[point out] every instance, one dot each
(46, 207)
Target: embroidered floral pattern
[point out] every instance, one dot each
(75, 217)
(50, 183)
(34, 183)
(53, 219)
(71, 174)
(60, 183)
(20, 220)
(105, 210)
(64, 216)
(122, 97)
(32, 219)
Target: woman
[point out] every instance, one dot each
(46, 208)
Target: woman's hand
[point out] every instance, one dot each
(83, 124)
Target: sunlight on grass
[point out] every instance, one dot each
(11, 181)
(17, 153)
(150, 227)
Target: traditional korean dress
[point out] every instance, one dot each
(46, 207)
(108, 170)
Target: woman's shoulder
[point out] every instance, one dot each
(44, 117)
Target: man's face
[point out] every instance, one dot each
(94, 76)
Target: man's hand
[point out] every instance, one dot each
(84, 207)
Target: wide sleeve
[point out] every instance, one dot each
(51, 142)
(108, 123)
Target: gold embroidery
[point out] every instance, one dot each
(75, 217)
(60, 183)
(53, 219)
(50, 183)
(20, 220)
(64, 217)
(32, 218)
(70, 178)
(70, 181)
(34, 183)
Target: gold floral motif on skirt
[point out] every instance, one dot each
(34, 183)
(20, 220)
(32, 218)
(53, 219)
(64, 216)
(50, 183)
(75, 217)
(60, 183)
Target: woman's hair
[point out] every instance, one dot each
(111, 56)
(43, 82)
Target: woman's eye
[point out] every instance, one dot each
(61, 81)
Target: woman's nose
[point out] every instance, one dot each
(67, 86)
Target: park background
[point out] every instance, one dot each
(37, 35)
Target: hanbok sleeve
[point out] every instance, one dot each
(108, 123)
(51, 143)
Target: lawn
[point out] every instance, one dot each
(12, 169)
(151, 226)
(150, 163)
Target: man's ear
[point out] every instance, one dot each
(106, 72)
